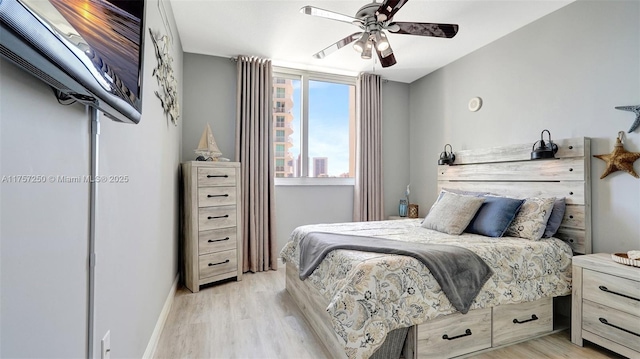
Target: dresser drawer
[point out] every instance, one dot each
(216, 196)
(218, 263)
(216, 240)
(218, 176)
(455, 334)
(611, 324)
(615, 292)
(216, 217)
(513, 322)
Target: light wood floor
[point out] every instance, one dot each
(256, 318)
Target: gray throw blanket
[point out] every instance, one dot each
(460, 272)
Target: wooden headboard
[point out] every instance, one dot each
(509, 170)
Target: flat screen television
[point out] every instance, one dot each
(90, 51)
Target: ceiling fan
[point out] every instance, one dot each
(373, 18)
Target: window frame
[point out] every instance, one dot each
(304, 77)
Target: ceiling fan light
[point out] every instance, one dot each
(366, 53)
(361, 44)
(381, 41)
(386, 52)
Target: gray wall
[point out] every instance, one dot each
(395, 144)
(210, 96)
(45, 226)
(43, 229)
(564, 73)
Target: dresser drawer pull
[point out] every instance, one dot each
(605, 289)
(466, 333)
(215, 264)
(218, 240)
(217, 195)
(604, 321)
(216, 176)
(217, 217)
(533, 317)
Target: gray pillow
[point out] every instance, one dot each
(557, 214)
(452, 213)
(458, 191)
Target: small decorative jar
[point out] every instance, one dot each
(403, 208)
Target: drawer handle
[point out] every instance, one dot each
(218, 240)
(216, 217)
(215, 264)
(216, 176)
(466, 333)
(605, 289)
(533, 317)
(604, 321)
(217, 195)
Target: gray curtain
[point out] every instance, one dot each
(254, 151)
(368, 204)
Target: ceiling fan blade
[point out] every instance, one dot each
(314, 11)
(388, 8)
(423, 29)
(337, 45)
(386, 57)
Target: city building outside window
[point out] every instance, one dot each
(314, 125)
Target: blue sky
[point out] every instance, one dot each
(328, 124)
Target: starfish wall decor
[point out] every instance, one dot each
(620, 159)
(634, 109)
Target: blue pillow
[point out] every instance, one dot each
(494, 216)
(557, 213)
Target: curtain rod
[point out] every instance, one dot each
(235, 59)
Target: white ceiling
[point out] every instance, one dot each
(277, 30)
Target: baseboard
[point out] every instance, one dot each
(162, 319)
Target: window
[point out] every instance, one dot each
(314, 124)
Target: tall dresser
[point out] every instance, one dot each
(212, 240)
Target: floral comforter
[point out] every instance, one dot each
(370, 294)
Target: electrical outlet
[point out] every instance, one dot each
(105, 348)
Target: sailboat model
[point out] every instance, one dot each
(207, 146)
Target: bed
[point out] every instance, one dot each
(364, 304)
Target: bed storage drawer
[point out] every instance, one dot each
(455, 334)
(513, 322)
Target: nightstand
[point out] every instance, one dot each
(606, 304)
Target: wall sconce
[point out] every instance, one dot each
(544, 150)
(447, 158)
